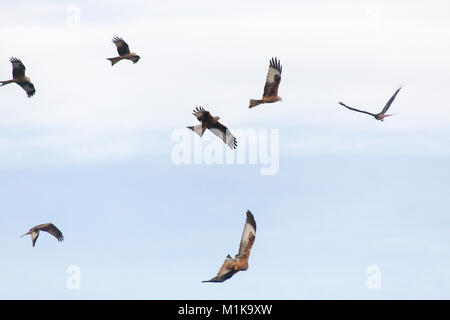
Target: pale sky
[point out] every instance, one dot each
(91, 151)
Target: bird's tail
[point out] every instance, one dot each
(215, 279)
(2, 83)
(388, 115)
(198, 129)
(114, 60)
(254, 103)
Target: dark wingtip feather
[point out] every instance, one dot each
(251, 219)
(198, 109)
(15, 60)
(275, 63)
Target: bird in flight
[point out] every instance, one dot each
(48, 227)
(382, 114)
(240, 263)
(213, 124)
(124, 52)
(271, 87)
(20, 78)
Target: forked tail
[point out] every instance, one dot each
(114, 60)
(198, 129)
(254, 103)
(387, 115)
(2, 83)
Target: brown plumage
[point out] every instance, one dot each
(378, 116)
(48, 227)
(213, 124)
(20, 78)
(271, 87)
(240, 263)
(124, 52)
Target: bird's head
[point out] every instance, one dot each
(135, 58)
(215, 119)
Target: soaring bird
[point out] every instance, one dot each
(124, 52)
(20, 78)
(213, 124)
(48, 227)
(382, 114)
(240, 263)
(271, 87)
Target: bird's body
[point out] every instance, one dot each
(271, 87)
(378, 116)
(20, 78)
(48, 227)
(124, 52)
(240, 262)
(213, 124)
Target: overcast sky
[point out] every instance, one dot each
(91, 151)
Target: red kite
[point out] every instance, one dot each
(48, 227)
(213, 124)
(240, 262)
(20, 78)
(124, 52)
(378, 116)
(271, 87)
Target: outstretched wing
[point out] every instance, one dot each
(342, 104)
(226, 271)
(223, 133)
(122, 46)
(50, 228)
(18, 68)
(202, 115)
(273, 78)
(28, 87)
(248, 236)
(388, 104)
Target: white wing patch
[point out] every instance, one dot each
(249, 231)
(226, 137)
(271, 74)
